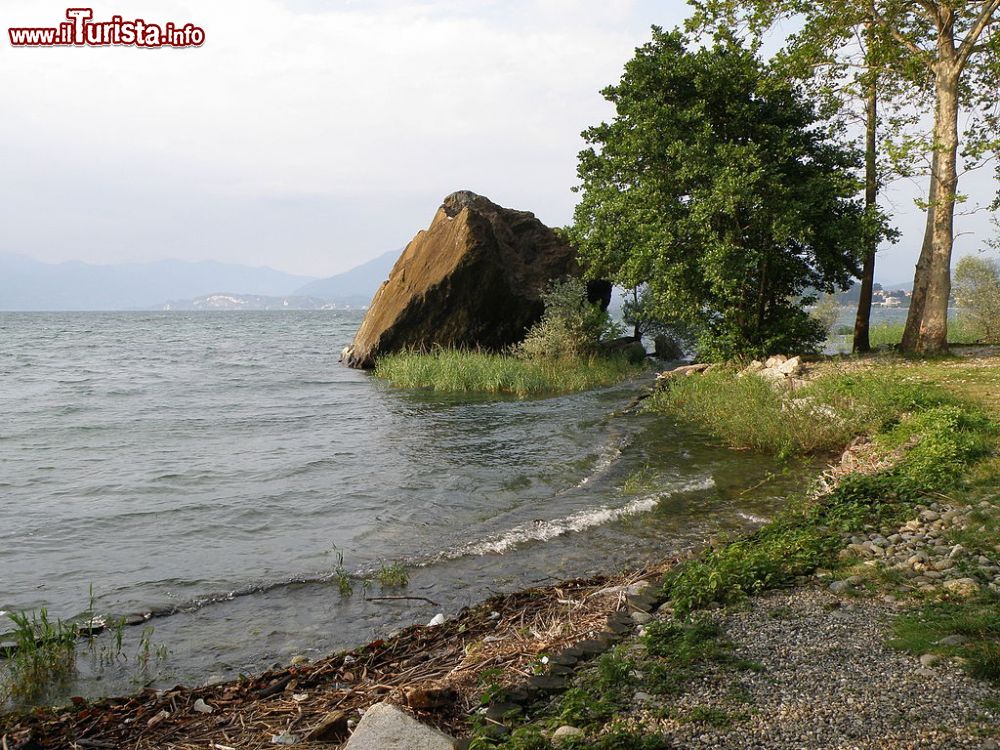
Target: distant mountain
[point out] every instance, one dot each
(355, 287)
(27, 284)
(227, 301)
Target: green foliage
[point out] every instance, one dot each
(772, 557)
(640, 313)
(45, 655)
(571, 327)
(943, 440)
(920, 631)
(600, 697)
(615, 738)
(717, 186)
(939, 439)
(977, 289)
(451, 370)
(392, 575)
(341, 576)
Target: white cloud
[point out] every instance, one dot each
(305, 134)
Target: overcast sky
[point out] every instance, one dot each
(312, 135)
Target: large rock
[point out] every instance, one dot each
(474, 278)
(385, 727)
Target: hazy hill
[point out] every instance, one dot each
(355, 287)
(27, 284)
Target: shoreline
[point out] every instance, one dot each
(429, 669)
(445, 674)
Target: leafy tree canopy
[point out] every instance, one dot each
(719, 187)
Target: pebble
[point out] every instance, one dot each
(566, 732)
(829, 680)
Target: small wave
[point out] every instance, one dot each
(543, 531)
(752, 518)
(607, 458)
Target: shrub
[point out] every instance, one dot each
(571, 327)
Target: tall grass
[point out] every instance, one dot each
(749, 413)
(471, 371)
(44, 655)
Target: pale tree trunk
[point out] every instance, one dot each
(862, 321)
(927, 322)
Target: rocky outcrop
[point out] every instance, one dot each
(474, 278)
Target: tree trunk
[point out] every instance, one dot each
(927, 322)
(862, 321)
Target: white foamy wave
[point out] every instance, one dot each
(751, 517)
(605, 460)
(543, 531)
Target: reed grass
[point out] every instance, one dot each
(457, 371)
(44, 655)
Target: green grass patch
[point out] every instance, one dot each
(749, 413)
(941, 443)
(926, 630)
(960, 331)
(457, 371)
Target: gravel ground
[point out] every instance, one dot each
(829, 681)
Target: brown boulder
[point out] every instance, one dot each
(474, 278)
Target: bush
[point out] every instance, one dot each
(945, 440)
(571, 327)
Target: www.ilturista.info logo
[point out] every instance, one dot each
(82, 31)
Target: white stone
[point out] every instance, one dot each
(565, 732)
(385, 727)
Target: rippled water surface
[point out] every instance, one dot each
(214, 469)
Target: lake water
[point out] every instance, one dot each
(213, 469)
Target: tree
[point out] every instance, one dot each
(953, 45)
(977, 289)
(946, 52)
(719, 187)
(838, 51)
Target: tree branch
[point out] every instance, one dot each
(896, 34)
(985, 19)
